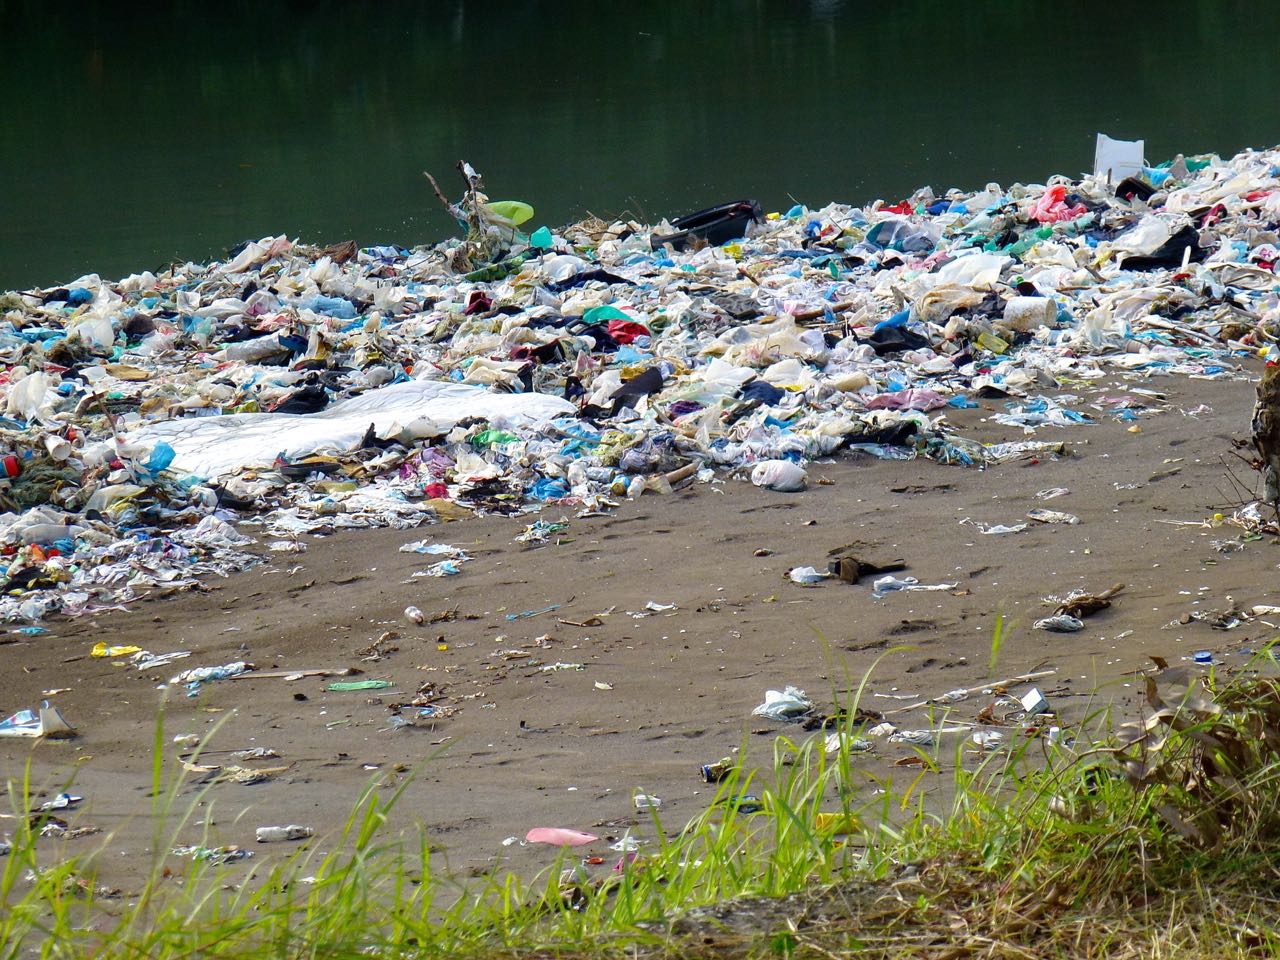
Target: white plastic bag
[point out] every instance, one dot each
(783, 704)
(781, 475)
(26, 397)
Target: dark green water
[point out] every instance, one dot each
(131, 135)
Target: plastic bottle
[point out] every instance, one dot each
(293, 831)
(251, 351)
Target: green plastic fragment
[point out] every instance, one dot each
(489, 438)
(517, 211)
(604, 313)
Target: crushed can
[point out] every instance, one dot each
(715, 772)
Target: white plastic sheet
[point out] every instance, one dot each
(212, 447)
(1117, 159)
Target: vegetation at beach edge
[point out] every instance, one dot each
(1153, 838)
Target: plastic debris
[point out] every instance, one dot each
(560, 837)
(787, 704)
(45, 722)
(227, 854)
(1051, 516)
(781, 475)
(105, 650)
(835, 742)
(541, 531)
(62, 801)
(987, 739)
(528, 614)
(806, 575)
(1033, 702)
(312, 389)
(997, 529)
(346, 686)
(916, 738)
(882, 586)
(1060, 623)
(432, 549)
(292, 831)
(196, 677)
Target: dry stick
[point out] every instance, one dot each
(1179, 328)
(439, 193)
(115, 428)
(688, 470)
(474, 182)
(815, 314)
(1240, 486)
(1024, 678)
(1110, 592)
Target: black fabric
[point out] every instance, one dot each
(640, 386)
(1131, 187)
(1170, 252)
(600, 333)
(895, 340)
(586, 276)
(541, 323)
(762, 392)
(894, 434)
(310, 399)
(646, 383)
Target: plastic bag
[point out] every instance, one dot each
(781, 475)
(26, 397)
(784, 704)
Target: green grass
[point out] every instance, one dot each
(1153, 840)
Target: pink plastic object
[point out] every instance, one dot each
(559, 836)
(913, 398)
(1052, 207)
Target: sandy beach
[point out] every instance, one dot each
(557, 718)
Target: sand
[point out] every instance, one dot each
(659, 694)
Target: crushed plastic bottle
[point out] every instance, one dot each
(292, 831)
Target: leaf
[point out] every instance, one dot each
(1186, 828)
(997, 640)
(783, 943)
(1153, 693)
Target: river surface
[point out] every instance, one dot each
(136, 134)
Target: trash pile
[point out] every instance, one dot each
(308, 389)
